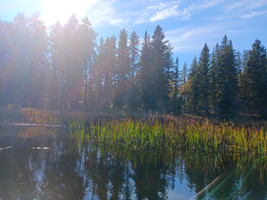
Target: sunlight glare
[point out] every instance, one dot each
(61, 10)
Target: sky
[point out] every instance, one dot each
(188, 24)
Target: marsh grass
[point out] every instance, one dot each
(171, 135)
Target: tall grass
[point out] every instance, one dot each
(171, 135)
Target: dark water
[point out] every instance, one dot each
(45, 163)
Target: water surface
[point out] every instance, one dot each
(46, 163)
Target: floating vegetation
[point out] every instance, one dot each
(172, 135)
(41, 148)
(5, 148)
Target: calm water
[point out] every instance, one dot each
(45, 163)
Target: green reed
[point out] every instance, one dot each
(77, 129)
(171, 135)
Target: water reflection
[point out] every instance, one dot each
(76, 170)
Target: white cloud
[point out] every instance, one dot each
(164, 14)
(254, 14)
(247, 8)
(204, 5)
(160, 11)
(104, 13)
(246, 5)
(165, 10)
(162, 5)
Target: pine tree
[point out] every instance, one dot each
(109, 73)
(183, 86)
(145, 77)
(175, 98)
(203, 77)
(243, 83)
(133, 54)
(257, 76)
(123, 70)
(213, 78)
(72, 65)
(56, 53)
(99, 70)
(133, 99)
(193, 84)
(161, 65)
(227, 78)
(87, 45)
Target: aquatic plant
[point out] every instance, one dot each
(171, 135)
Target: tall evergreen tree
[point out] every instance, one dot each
(98, 71)
(161, 64)
(55, 48)
(145, 77)
(183, 86)
(72, 64)
(203, 77)
(123, 70)
(257, 76)
(193, 84)
(227, 78)
(243, 83)
(133, 99)
(39, 63)
(134, 54)
(87, 43)
(213, 76)
(175, 98)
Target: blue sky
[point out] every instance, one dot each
(187, 24)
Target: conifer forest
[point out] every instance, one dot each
(65, 67)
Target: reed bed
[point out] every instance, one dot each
(170, 135)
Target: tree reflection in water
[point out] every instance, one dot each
(71, 169)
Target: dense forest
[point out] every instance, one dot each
(64, 67)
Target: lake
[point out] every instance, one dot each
(47, 163)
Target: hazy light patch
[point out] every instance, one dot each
(61, 10)
(104, 14)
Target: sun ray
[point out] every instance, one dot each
(61, 10)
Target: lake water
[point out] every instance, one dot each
(46, 163)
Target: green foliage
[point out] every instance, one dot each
(203, 77)
(193, 87)
(155, 64)
(227, 78)
(175, 135)
(184, 86)
(174, 91)
(257, 78)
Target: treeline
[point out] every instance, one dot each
(65, 67)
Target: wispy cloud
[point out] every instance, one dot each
(159, 11)
(254, 14)
(104, 13)
(247, 8)
(206, 4)
(165, 10)
(166, 13)
(246, 4)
